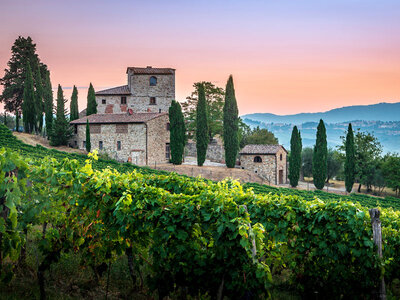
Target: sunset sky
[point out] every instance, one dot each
(285, 56)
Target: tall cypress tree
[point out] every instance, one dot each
(91, 101)
(202, 137)
(231, 125)
(349, 164)
(295, 157)
(88, 144)
(177, 132)
(39, 103)
(28, 105)
(320, 157)
(74, 111)
(48, 103)
(61, 131)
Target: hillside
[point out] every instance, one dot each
(376, 112)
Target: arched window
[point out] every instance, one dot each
(257, 159)
(281, 157)
(153, 80)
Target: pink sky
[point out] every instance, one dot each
(285, 57)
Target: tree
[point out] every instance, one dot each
(48, 103)
(177, 132)
(13, 81)
(231, 125)
(87, 143)
(74, 110)
(202, 137)
(320, 157)
(39, 101)
(91, 101)
(334, 164)
(28, 106)
(215, 103)
(307, 158)
(258, 136)
(349, 164)
(61, 131)
(295, 157)
(391, 172)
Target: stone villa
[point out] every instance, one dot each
(268, 161)
(132, 122)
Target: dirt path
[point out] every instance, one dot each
(34, 140)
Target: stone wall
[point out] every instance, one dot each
(281, 164)
(266, 168)
(158, 137)
(113, 104)
(215, 150)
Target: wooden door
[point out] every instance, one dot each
(280, 176)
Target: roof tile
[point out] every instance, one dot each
(119, 90)
(261, 149)
(151, 70)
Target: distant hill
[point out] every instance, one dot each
(375, 112)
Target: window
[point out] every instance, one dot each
(159, 110)
(168, 126)
(281, 156)
(153, 81)
(121, 128)
(118, 145)
(167, 151)
(100, 145)
(84, 144)
(103, 101)
(76, 129)
(257, 159)
(152, 100)
(76, 144)
(123, 100)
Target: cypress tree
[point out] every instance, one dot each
(48, 104)
(349, 164)
(61, 131)
(39, 103)
(320, 157)
(177, 132)
(74, 111)
(91, 101)
(295, 157)
(231, 125)
(202, 138)
(88, 144)
(28, 105)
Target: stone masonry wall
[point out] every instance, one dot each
(113, 104)
(158, 137)
(266, 168)
(282, 163)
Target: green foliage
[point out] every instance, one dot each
(320, 157)
(74, 110)
(258, 136)
(295, 157)
(231, 125)
(306, 161)
(39, 101)
(61, 131)
(334, 164)
(177, 132)
(349, 164)
(202, 137)
(48, 103)
(28, 106)
(87, 143)
(391, 172)
(91, 101)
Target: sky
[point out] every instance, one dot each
(285, 56)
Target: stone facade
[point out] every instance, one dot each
(271, 166)
(215, 150)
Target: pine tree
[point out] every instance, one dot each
(48, 103)
(74, 111)
(349, 164)
(39, 101)
(202, 137)
(28, 106)
(91, 101)
(177, 132)
(320, 157)
(295, 157)
(61, 131)
(231, 125)
(88, 144)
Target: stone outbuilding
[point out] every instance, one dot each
(268, 161)
(141, 138)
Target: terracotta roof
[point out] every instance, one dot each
(261, 149)
(119, 90)
(118, 118)
(151, 70)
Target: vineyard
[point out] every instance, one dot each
(182, 236)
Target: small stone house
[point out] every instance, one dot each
(142, 138)
(268, 161)
(132, 122)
